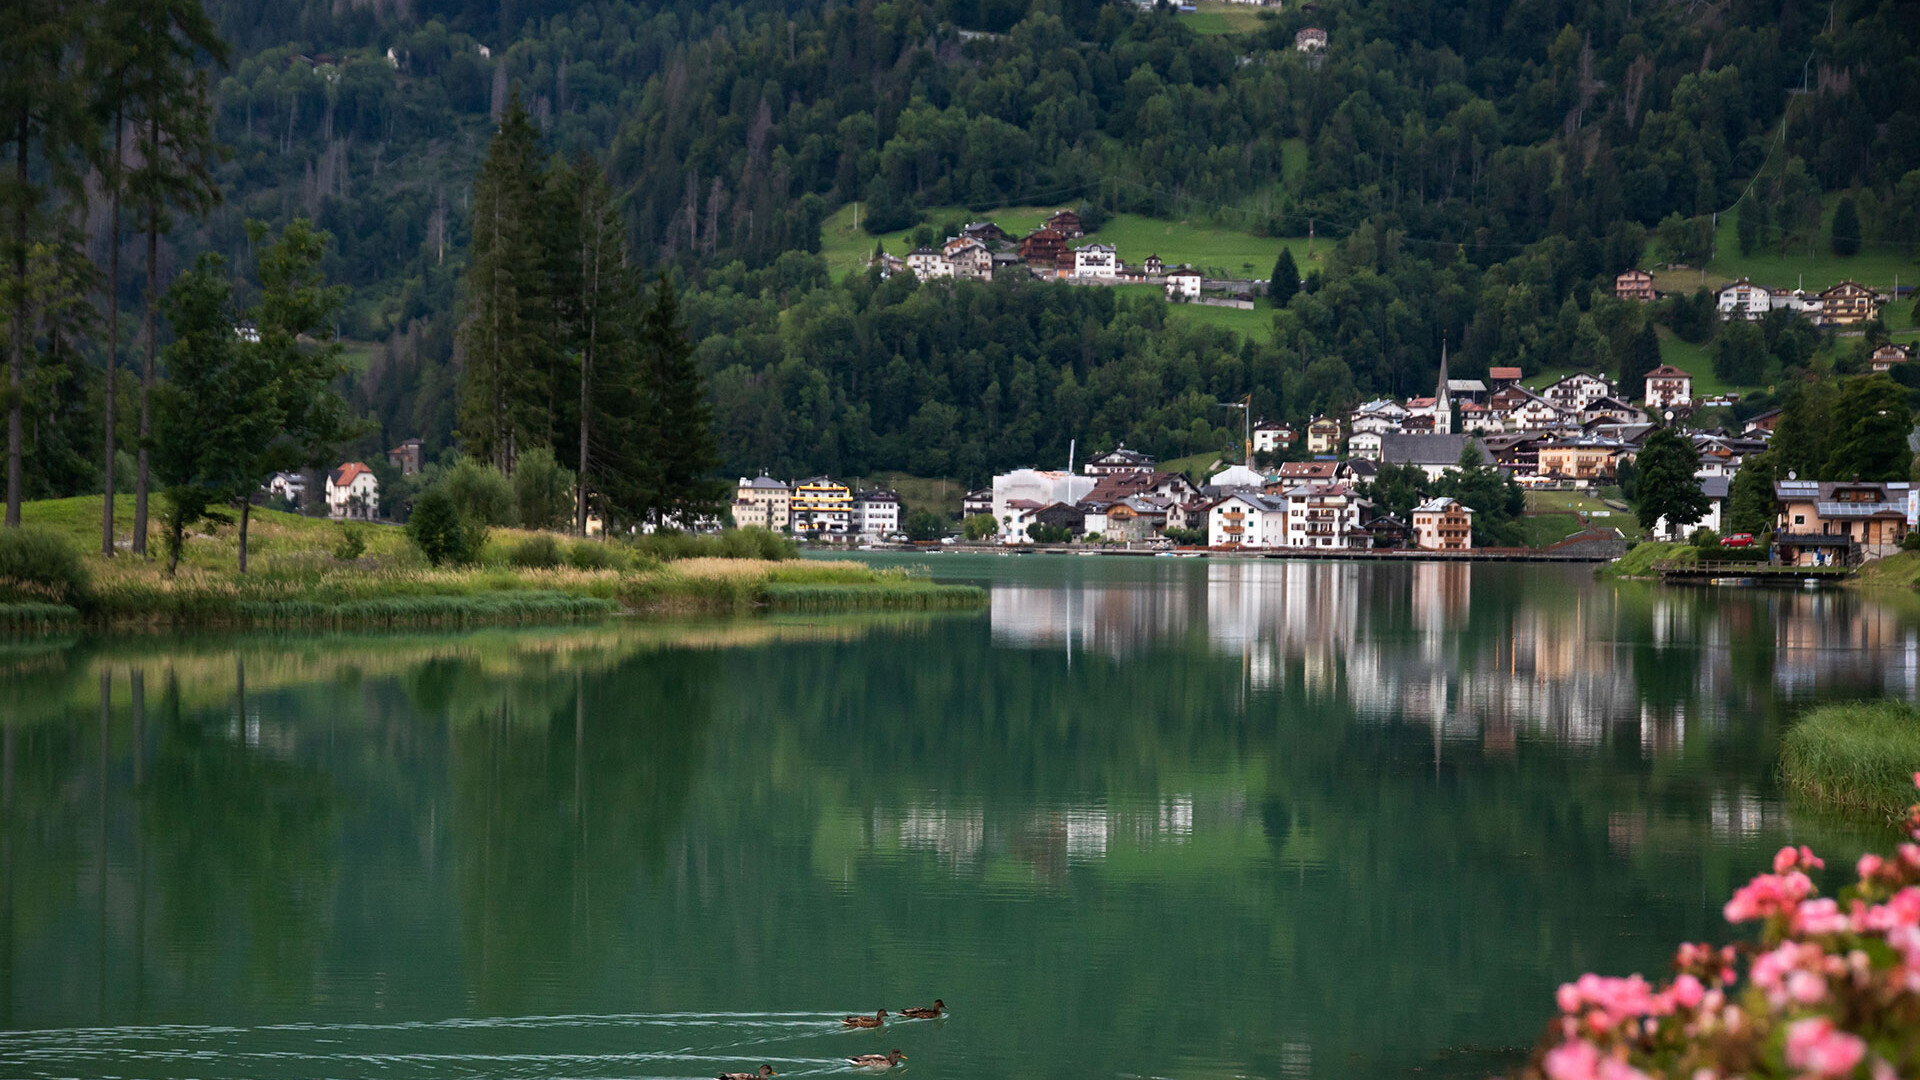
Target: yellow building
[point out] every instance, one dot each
(762, 503)
(821, 507)
(1584, 458)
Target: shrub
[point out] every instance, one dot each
(1828, 993)
(979, 527)
(1705, 538)
(668, 545)
(542, 490)
(352, 543)
(38, 566)
(480, 493)
(1911, 541)
(593, 555)
(442, 535)
(539, 552)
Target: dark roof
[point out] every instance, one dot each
(1403, 449)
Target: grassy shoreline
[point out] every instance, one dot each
(1858, 757)
(296, 582)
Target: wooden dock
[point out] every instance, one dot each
(1707, 572)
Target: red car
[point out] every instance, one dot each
(1737, 540)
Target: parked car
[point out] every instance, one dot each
(1737, 540)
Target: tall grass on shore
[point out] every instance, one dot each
(903, 596)
(1858, 756)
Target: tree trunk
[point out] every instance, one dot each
(246, 515)
(586, 375)
(140, 482)
(17, 360)
(113, 346)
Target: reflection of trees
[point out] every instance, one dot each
(563, 809)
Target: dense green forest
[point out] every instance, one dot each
(1476, 173)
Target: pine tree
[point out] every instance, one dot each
(508, 330)
(684, 452)
(1846, 229)
(308, 417)
(1285, 281)
(1870, 426)
(168, 106)
(215, 411)
(42, 120)
(1750, 503)
(601, 285)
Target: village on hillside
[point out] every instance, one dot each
(1048, 252)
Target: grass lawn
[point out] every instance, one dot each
(1599, 514)
(1860, 756)
(1197, 466)
(1695, 361)
(1224, 18)
(1818, 268)
(935, 493)
(1545, 530)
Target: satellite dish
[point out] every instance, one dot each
(1792, 475)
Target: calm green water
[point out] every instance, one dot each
(1142, 818)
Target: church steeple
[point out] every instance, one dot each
(1442, 402)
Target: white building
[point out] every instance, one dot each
(1577, 391)
(1364, 445)
(1269, 437)
(1235, 477)
(1668, 387)
(1033, 489)
(1247, 519)
(1744, 300)
(1326, 516)
(1715, 488)
(876, 514)
(1183, 283)
(927, 264)
(291, 486)
(1096, 261)
(353, 492)
(1378, 417)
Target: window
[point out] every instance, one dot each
(1799, 519)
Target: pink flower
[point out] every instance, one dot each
(1568, 997)
(1787, 858)
(1819, 917)
(1687, 992)
(1805, 987)
(1767, 895)
(1814, 1045)
(1869, 865)
(1574, 1060)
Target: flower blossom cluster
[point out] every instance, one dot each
(1832, 992)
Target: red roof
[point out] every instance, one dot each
(348, 473)
(1504, 373)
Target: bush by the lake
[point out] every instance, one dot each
(40, 567)
(537, 552)
(593, 555)
(1856, 755)
(441, 532)
(1831, 991)
(480, 492)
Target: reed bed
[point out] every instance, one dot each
(878, 597)
(1859, 756)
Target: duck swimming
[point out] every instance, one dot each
(926, 1012)
(879, 1061)
(765, 1071)
(865, 1021)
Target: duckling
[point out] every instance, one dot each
(765, 1071)
(865, 1021)
(879, 1061)
(919, 1013)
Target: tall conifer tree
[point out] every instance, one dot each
(169, 106)
(684, 451)
(509, 324)
(1286, 279)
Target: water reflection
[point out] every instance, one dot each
(1189, 818)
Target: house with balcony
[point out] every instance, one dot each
(1634, 285)
(1669, 388)
(1327, 516)
(1099, 261)
(1247, 519)
(1584, 459)
(876, 514)
(1744, 300)
(1118, 461)
(1848, 304)
(1443, 524)
(821, 508)
(1271, 437)
(1838, 523)
(1575, 392)
(353, 492)
(928, 264)
(1323, 435)
(1887, 357)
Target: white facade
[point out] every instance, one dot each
(1183, 284)
(1096, 261)
(1238, 476)
(1268, 438)
(1365, 445)
(1247, 519)
(1379, 417)
(1744, 300)
(1038, 487)
(353, 492)
(968, 258)
(927, 263)
(287, 485)
(876, 514)
(1577, 391)
(1325, 516)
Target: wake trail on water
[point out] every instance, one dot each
(562, 1047)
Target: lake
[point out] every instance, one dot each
(1137, 818)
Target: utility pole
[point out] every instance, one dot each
(1245, 405)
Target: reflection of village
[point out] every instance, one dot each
(1557, 662)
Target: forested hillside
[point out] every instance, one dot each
(1474, 172)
